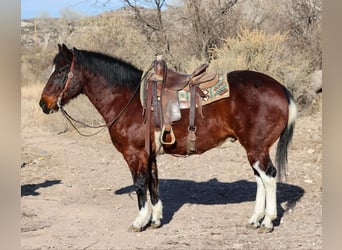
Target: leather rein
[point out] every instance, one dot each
(71, 120)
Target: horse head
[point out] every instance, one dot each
(64, 82)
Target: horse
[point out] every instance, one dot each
(258, 112)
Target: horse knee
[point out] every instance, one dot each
(140, 186)
(141, 183)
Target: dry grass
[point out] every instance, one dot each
(257, 50)
(32, 115)
(267, 53)
(116, 34)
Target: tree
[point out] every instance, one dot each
(208, 23)
(151, 21)
(304, 24)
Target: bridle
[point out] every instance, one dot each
(70, 119)
(67, 83)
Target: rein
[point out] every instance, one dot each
(70, 119)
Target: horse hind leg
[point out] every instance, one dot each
(259, 208)
(265, 210)
(267, 176)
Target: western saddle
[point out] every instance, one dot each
(161, 96)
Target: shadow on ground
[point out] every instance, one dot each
(175, 193)
(31, 189)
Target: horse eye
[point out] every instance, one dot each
(58, 74)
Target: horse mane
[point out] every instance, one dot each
(117, 72)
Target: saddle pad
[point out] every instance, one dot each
(215, 92)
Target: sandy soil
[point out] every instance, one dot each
(75, 195)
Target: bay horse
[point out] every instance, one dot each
(258, 112)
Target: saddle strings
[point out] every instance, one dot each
(70, 119)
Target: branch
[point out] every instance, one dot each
(140, 18)
(222, 11)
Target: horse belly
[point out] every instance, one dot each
(211, 130)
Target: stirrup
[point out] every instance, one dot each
(173, 138)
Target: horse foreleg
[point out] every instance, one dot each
(139, 170)
(157, 206)
(144, 213)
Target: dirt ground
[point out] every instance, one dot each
(76, 195)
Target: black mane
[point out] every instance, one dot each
(117, 72)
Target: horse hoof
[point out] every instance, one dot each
(263, 229)
(155, 225)
(134, 229)
(252, 225)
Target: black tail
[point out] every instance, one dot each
(286, 137)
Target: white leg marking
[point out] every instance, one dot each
(260, 200)
(143, 217)
(157, 213)
(271, 196)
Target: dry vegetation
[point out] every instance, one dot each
(280, 38)
(72, 187)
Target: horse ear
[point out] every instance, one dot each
(59, 47)
(75, 51)
(66, 52)
(64, 47)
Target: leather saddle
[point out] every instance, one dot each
(161, 96)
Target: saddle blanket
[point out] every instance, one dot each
(215, 91)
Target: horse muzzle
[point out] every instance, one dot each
(47, 109)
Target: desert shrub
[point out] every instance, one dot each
(267, 53)
(114, 35)
(36, 64)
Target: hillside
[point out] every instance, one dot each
(255, 35)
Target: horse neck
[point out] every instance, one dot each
(109, 100)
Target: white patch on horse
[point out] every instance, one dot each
(259, 209)
(271, 196)
(53, 70)
(157, 213)
(143, 217)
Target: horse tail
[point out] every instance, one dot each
(286, 137)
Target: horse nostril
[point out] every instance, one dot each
(44, 107)
(42, 104)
